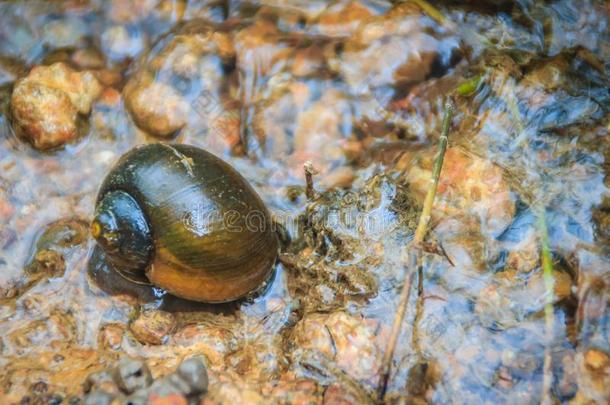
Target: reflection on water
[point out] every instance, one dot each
(355, 87)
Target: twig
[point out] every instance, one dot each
(419, 306)
(432, 11)
(420, 232)
(549, 316)
(309, 172)
(424, 218)
(386, 365)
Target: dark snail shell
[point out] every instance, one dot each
(185, 221)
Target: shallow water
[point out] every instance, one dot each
(357, 88)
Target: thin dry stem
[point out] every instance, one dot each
(420, 233)
(432, 11)
(389, 353)
(424, 218)
(309, 172)
(549, 316)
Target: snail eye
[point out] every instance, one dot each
(96, 229)
(104, 229)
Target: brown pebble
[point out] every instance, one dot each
(171, 399)
(342, 177)
(101, 381)
(156, 107)
(6, 209)
(171, 384)
(99, 398)
(504, 378)
(111, 336)
(153, 327)
(132, 375)
(43, 116)
(48, 262)
(596, 360)
(338, 394)
(45, 105)
(194, 372)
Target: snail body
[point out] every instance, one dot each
(182, 219)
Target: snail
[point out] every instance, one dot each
(181, 219)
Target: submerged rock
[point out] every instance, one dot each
(469, 186)
(153, 327)
(131, 382)
(350, 341)
(302, 121)
(46, 104)
(259, 359)
(212, 340)
(400, 47)
(182, 84)
(232, 392)
(132, 375)
(593, 376)
(51, 252)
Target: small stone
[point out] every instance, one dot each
(121, 43)
(101, 381)
(308, 62)
(89, 58)
(48, 262)
(171, 399)
(341, 177)
(346, 339)
(99, 398)
(111, 336)
(300, 391)
(43, 116)
(81, 87)
(470, 187)
(338, 394)
(153, 327)
(342, 19)
(596, 360)
(6, 208)
(214, 341)
(567, 384)
(138, 398)
(39, 388)
(393, 48)
(232, 392)
(155, 107)
(52, 247)
(46, 103)
(172, 384)
(132, 375)
(194, 372)
(130, 11)
(504, 379)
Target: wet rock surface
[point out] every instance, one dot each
(349, 341)
(182, 85)
(46, 104)
(131, 382)
(356, 88)
(153, 327)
